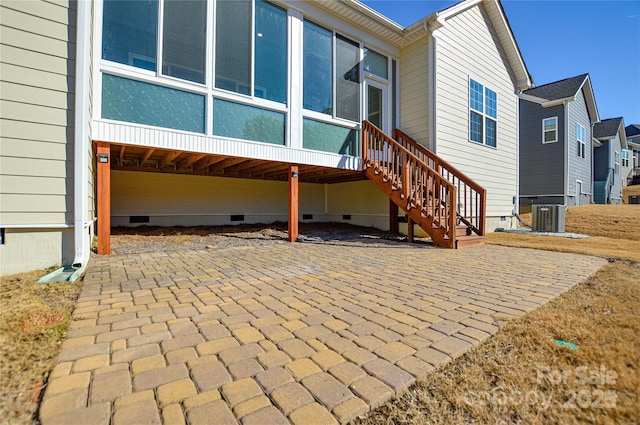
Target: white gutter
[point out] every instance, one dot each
(81, 136)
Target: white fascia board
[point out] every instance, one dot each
(374, 14)
(544, 102)
(591, 100)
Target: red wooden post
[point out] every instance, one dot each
(293, 203)
(103, 173)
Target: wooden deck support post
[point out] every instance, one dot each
(393, 217)
(293, 203)
(103, 173)
(410, 229)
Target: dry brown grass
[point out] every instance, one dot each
(33, 320)
(516, 376)
(598, 246)
(630, 191)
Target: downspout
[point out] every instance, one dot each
(80, 153)
(81, 137)
(433, 49)
(566, 153)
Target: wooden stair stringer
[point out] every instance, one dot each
(430, 226)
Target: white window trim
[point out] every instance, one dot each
(616, 163)
(555, 130)
(625, 158)
(483, 114)
(583, 143)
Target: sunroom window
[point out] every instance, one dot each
(238, 53)
(317, 68)
(347, 79)
(183, 40)
(129, 32)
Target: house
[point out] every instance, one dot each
(215, 112)
(556, 140)
(631, 159)
(608, 170)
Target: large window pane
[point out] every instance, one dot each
(491, 132)
(143, 103)
(347, 79)
(129, 32)
(491, 102)
(376, 63)
(183, 41)
(325, 137)
(271, 53)
(476, 96)
(475, 127)
(231, 119)
(317, 69)
(233, 45)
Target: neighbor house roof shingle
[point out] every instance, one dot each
(633, 130)
(558, 90)
(607, 128)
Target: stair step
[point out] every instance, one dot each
(463, 231)
(469, 241)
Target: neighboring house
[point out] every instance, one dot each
(608, 170)
(633, 143)
(556, 142)
(210, 112)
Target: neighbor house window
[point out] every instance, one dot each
(483, 114)
(625, 158)
(616, 163)
(582, 145)
(325, 71)
(550, 130)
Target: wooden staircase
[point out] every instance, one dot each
(444, 202)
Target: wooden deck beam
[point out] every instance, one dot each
(103, 175)
(293, 203)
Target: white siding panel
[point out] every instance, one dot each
(25, 130)
(38, 77)
(414, 90)
(43, 114)
(37, 25)
(33, 95)
(176, 140)
(35, 42)
(36, 150)
(54, 12)
(468, 48)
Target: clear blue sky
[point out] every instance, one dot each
(561, 39)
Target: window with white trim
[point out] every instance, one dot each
(616, 163)
(625, 158)
(550, 130)
(483, 114)
(582, 144)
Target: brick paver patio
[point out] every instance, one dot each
(291, 333)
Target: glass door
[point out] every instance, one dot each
(376, 104)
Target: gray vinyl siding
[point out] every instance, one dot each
(37, 67)
(541, 164)
(616, 189)
(602, 161)
(579, 168)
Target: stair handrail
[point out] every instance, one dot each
(441, 209)
(475, 220)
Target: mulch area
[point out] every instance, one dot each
(130, 240)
